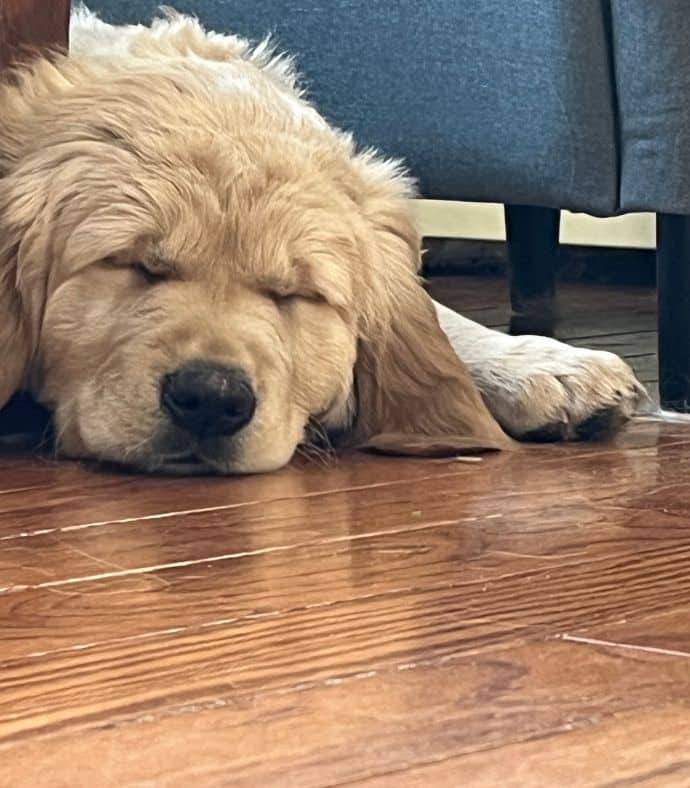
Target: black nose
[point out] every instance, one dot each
(208, 399)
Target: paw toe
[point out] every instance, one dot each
(553, 432)
(603, 423)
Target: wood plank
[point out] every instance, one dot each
(663, 632)
(617, 751)
(505, 714)
(485, 562)
(450, 498)
(523, 575)
(47, 553)
(445, 514)
(35, 495)
(322, 639)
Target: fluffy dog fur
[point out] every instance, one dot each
(167, 194)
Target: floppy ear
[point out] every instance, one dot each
(14, 341)
(14, 353)
(17, 243)
(47, 216)
(16, 209)
(414, 395)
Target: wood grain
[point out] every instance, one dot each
(397, 621)
(509, 714)
(617, 751)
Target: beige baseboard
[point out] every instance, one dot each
(484, 221)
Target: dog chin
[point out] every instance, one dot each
(200, 463)
(177, 465)
(183, 465)
(171, 451)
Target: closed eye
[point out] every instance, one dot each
(152, 273)
(285, 297)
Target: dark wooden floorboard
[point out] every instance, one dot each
(521, 621)
(603, 317)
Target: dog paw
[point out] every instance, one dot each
(544, 390)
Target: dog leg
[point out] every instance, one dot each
(541, 389)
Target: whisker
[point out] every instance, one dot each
(317, 434)
(317, 447)
(315, 455)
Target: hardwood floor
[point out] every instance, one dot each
(519, 621)
(619, 319)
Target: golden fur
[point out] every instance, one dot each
(166, 194)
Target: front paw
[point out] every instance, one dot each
(552, 391)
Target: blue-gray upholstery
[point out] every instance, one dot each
(578, 104)
(652, 58)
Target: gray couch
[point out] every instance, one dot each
(538, 104)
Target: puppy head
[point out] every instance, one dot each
(188, 282)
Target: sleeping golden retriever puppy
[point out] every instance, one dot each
(196, 271)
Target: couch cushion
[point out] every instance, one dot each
(652, 58)
(485, 99)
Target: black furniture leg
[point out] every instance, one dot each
(673, 295)
(532, 235)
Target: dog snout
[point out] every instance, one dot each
(208, 399)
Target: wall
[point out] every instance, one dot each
(443, 219)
